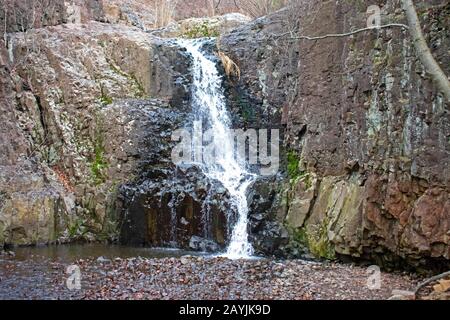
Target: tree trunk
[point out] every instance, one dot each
(423, 51)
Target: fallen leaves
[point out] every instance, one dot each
(442, 286)
(200, 278)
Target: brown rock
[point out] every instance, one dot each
(359, 99)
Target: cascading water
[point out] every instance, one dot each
(209, 106)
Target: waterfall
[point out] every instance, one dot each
(209, 106)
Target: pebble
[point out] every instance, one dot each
(102, 259)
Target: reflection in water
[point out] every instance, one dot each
(70, 253)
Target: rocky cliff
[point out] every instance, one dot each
(71, 134)
(87, 111)
(87, 116)
(367, 149)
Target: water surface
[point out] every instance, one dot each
(73, 252)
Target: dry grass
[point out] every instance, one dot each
(164, 12)
(231, 68)
(258, 8)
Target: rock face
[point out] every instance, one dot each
(22, 15)
(165, 205)
(154, 14)
(170, 206)
(31, 201)
(367, 152)
(201, 244)
(71, 132)
(88, 111)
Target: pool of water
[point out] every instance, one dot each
(73, 252)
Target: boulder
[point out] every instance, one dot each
(204, 245)
(202, 27)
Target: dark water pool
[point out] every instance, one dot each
(73, 252)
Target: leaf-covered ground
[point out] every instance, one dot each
(195, 278)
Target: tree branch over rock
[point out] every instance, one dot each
(423, 51)
(341, 35)
(430, 280)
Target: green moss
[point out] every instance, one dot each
(77, 228)
(201, 30)
(316, 240)
(379, 59)
(104, 98)
(247, 112)
(140, 91)
(2, 234)
(293, 164)
(300, 236)
(98, 163)
(294, 172)
(115, 69)
(110, 231)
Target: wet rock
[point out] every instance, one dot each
(271, 238)
(103, 260)
(267, 235)
(204, 245)
(166, 204)
(155, 212)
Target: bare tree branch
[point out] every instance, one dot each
(258, 8)
(423, 51)
(430, 280)
(341, 35)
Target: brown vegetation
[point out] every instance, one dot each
(231, 68)
(258, 8)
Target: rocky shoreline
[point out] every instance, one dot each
(197, 278)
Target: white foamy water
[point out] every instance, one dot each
(209, 105)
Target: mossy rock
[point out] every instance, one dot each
(316, 240)
(201, 30)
